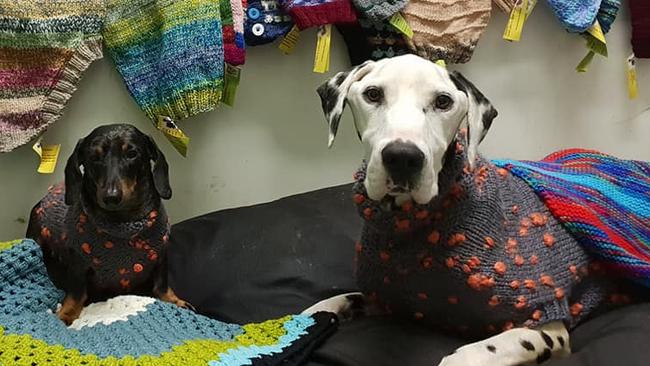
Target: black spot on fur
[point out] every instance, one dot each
(544, 356)
(488, 117)
(561, 340)
(340, 78)
(527, 345)
(467, 87)
(491, 348)
(328, 96)
(547, 339)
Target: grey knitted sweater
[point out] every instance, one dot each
(116, 257)
(484, 256)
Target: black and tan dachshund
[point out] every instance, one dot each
(105, 231)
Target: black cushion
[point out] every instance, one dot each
(260, 262)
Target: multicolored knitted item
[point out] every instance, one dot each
(232, 20)
(575, 15)
(45, 46)
(607, 14)
(132, 330)
(170, 54)
(265, 22)
(604, 202)
(372, 40)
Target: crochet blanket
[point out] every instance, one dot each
(604, 202)
(132, 330)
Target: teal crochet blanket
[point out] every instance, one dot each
(133, 330)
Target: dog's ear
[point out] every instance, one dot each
(160, 170)
(73, 175)
(480, 114)
(334, 93)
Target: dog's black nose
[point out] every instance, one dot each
(113, 197)
(403, 160)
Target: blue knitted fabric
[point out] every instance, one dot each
(265, 22)
(162, 334)
(576, 15)
(607, 14)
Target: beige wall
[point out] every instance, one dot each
(273, 142)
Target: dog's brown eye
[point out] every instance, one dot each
(131, 154)
(373, 94)
(444, 102)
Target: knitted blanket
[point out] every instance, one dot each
(604, 202)
(131, 330)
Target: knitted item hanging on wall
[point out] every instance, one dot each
(170, 54)
(312, 13)
(372, 40)
(232, 21)
(133, 330)
(45, 46)
(640, 14)
(446, 29)
(607, 14)
(265, 21)
(602, 201)
(575, 15)
(378, 10)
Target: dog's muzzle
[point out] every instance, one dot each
(403, 162)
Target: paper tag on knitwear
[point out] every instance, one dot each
(289, 41)
(596, 39)
(398, 21)
(441, 62)
(322, 56)
(520, 13)
(232, 77)
(48, 155)
(632, 85)
(178, 139)
(583, 66)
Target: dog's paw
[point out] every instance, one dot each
(69, 315)
(184, 304)
(171, 297)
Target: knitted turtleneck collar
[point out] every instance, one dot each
(385, 213)
(121, 229)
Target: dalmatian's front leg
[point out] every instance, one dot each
(514, 347)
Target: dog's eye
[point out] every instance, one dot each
(131, 154)
(373, 94)
(444, 102)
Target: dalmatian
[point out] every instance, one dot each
(408, 113)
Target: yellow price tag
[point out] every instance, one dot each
(596, 31)
(518, 17)
(48, 154)
(289, 41)
(583, 66)
(398, 21)
(322, 56)
(632, 85)
(231, 82)
(179, 140)
(441, 62)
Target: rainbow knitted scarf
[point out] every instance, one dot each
(169, 52)
(132, 330)
(604, 202)
(44, 48)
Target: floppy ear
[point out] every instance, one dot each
(334, 93)
(480, 114)
(160, 170)
(73, 175)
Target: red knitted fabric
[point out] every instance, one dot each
(333, 12)
(640, 13)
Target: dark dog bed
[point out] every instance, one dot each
(260, 262)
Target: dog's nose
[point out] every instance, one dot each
(402, 160)
(113, 197)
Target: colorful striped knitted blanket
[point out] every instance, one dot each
(604, 202)
(132, 330)
(169, 52)
(44, 48)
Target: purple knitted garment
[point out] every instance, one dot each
(120, 256)
(485, 255)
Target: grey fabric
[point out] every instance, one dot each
(379, 9)
(483, 256)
